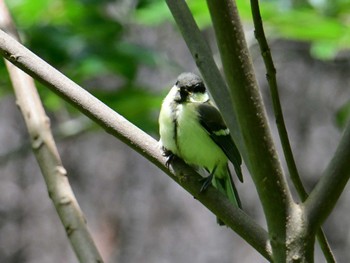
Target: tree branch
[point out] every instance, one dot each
(326, 193)
(271, 78)
(233, 217)
(282, 130)
(46, 153)
(119, 127)
(265, 166)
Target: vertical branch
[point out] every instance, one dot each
(271, 78)
(46, 153)
(282, 130)
(265, 166)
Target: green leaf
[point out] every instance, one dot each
(327, 33)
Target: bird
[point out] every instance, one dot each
(191, 127)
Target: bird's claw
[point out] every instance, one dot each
(206, 182)
(170, 157)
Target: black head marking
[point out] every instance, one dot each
(189, 83)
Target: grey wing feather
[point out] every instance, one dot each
(211, 119)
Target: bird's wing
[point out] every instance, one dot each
(212, 121)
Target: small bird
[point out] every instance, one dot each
(192, 128)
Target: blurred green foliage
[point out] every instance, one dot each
(86, 42)
(85, 39)
(323, 23)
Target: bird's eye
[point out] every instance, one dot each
(183, 94)
(198, 88)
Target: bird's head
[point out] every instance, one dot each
(190, 88)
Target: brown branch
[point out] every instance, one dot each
(327, 191)
(265, 167)
(44, 147)
(282, 130)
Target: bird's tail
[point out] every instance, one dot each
(226, 186)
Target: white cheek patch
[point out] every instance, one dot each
(222, 132)
(199, 97)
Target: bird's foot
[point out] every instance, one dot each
(206, 182)
(170, 157)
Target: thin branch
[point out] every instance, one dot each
(128, 133)
(265, 167)
(325, 247)
(48, 158)
(282, 130)
(326, 193)
(271, 78)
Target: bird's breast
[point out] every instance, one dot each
(194, 144)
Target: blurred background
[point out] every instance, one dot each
(128, 54)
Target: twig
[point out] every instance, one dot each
(46, 153)
(282, 130)
(271, 78)
(327, 191)
(119, 127)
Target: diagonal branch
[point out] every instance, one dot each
(282, 130)
(326, 193)
(141, 142)
(46, 153)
